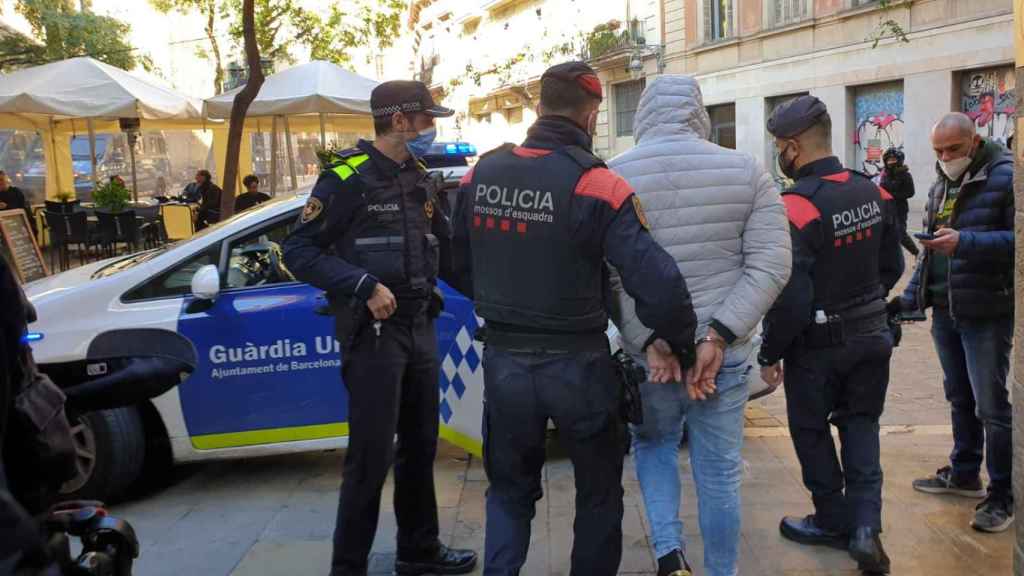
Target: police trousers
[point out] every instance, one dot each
(392, 386)
(580, 392)
(844, 386)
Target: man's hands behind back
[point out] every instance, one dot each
(663, 364)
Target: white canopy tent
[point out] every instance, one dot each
(49, 98)
(317, 92)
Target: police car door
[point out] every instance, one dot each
(269, 367)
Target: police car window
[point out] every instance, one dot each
(176, 281)
(256, 259)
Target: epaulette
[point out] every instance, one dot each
(348, 162)
(585, 159)
(506, 147)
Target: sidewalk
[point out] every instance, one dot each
(275, 516)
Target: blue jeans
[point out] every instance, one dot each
(975, 357)
(716, 439)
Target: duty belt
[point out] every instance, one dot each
(547, 343)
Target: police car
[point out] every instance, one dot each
(242, 355)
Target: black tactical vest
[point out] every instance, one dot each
(390, 234)
(527, 270)
(853, 221)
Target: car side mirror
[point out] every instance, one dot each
(206, 283)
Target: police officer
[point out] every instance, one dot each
(533, 228)
(829, 331)
(369, 236)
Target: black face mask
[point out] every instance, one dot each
(788, 167)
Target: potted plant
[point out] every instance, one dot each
(112, 196)
(64, 196)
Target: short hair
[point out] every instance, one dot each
(250, 179)
(205, 174)
(382, 124)
(958, 121)
(559, 96)
(819, 134)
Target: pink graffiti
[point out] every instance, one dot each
(883, 122)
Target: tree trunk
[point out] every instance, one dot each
(239, 108)
(211, 33)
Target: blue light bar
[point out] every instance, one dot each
(459, 149)
(32, 337)
(451, 149)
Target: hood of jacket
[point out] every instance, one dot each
(671, 105)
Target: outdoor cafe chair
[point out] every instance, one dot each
(150, 225)
(117, 227)
(178, 221)
(68, 230)
(62, 207)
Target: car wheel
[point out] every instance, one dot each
(110, 448)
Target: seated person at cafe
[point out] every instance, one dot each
(252, 195)
(209, 200)
(193, 192)
(12, 198)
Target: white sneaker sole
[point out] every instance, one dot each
(994, 529)
(979, 493)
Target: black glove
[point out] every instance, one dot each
(894, 306)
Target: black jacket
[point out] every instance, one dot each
(899, 184)
(981, 270)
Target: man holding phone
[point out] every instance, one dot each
(966, 276)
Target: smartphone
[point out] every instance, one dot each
(924, 236)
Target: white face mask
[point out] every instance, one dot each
(954, 169)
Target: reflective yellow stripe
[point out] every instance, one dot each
(466, 442)
(269, 436)
(349, 166)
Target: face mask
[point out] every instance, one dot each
(420, 145)
(788, 167)
(954, 169)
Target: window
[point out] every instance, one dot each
(859, 3)
(783, 12)
(482, 118)
(177, 281)
(718, 19)
(627, 100)
(723, 125)
(514, 115)
(256, 259)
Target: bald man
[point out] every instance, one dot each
(966, 277)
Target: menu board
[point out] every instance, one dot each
(19, 246)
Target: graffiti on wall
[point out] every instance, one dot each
(989, 98)
(879, 124)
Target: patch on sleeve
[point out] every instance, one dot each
(884, 193)
(312, 209)
(604, 185)
(428, 209)
(800, 210)
(640, 215)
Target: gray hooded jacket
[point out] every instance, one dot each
(715, 210)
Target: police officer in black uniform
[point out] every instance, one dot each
(829, 331)
(534, 226)
(370, 236)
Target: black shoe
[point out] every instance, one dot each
(674, 564)
(942, 483)
(445, 561)
(806, 531)
(866, 549)
(994, 514)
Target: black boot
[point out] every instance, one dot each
(806, 531)
(444, 561)
(866, 549)
(674, 564)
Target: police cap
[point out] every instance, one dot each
(578, 72)
(405, 96)
(794, 117)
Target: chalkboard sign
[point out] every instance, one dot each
(19, 246)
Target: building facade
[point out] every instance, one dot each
(485, 59)
(886, 72)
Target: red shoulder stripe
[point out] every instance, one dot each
(885, 193)
(840, 177)
(800, 210)
(467, 177)
(530, 152)
(605, 185)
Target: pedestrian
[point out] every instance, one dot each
(966, 277)
(207, 195)
(899, 183)
(12, 198)
(720, 216)
(828, 333)
(252, 195)
(534, 226)
(369, 237)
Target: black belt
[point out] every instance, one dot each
(547, 343)
(865, 324)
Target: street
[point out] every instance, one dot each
(275, 515)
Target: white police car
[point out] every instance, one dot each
(251, 349)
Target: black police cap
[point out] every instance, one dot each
(405, 96)
(794, 117)
(578, 72)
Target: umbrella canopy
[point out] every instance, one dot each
(87, 88)
(315, 88)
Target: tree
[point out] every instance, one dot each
(65, 32)
(283, 25)
(240, 107)
(212, 10)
